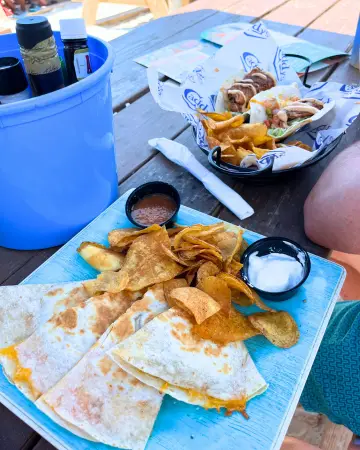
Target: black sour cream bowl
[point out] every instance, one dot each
(276, 245)
(154, 187)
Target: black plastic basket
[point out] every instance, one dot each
(265, 174)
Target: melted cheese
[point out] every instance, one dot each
(164, 387)
(22, 375)
(209, 402)
(212, 402)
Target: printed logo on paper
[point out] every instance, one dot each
(321, 141)
(351, 120)
(191, 119)
(212, 99)
(257, 31)
(281, 64)
(160, 88)
(351, 91)
(267, 159)
(318, 86)
(201, 137)
(249, 61)
(197, 75)
(312, 133)
(194, 100)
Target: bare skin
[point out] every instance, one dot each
(11, 3)
(332, 209)
(291, 443)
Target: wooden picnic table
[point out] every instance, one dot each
(278, 208)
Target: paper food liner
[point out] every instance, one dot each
(256, 48)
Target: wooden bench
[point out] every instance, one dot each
(158, 8)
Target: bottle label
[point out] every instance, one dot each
(43, 58)
(82, 63)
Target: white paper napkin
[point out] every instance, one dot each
(181, 155)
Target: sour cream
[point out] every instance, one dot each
(275, 272)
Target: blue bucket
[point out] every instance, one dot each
(57, 159)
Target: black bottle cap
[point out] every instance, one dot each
(32, 30)
(12, 77)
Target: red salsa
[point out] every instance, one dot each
(153, 208)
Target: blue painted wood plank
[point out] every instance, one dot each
(182, 426)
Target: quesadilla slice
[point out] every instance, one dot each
(39, 362)
(97, 398)
(25, 307)
(167, 356)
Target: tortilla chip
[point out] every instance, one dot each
(218, 290)
(173, 231)
(235, 267)
(199, 242)
(206, 270)
(218, 117)
(235, 249)
(240, 298)
(240, 285)
(225, 241)
(146, 263)
(121, 238)
(259, 152)
(222, 329)
(233, 122)
(229, 154)
(171, 285)
(278, 327)
(100, 257)
(196, 302)
(260, 140)
(244, 246)
(251, 130)
(174, 257)
(204, 252)
(213, 142)
(190, 275)
(208, 230)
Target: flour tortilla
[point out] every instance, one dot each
(39, 362)
(25, 307)
(283, 93)
(165, 355)
(101, 400)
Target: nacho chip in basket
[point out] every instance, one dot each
(199, 304)
(218, 290)
(278, 327)
(222, 329)
(250, 130)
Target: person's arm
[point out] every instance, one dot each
(332, 209)
(291, 443)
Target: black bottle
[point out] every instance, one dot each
(39, 52)
(76, 50)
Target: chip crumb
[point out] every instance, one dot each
(191, 437)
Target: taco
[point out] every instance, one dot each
(283, 110)
(236, 92)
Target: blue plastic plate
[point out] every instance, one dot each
(181, 426)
